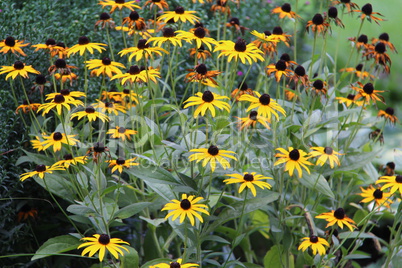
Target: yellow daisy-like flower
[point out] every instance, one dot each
(10, 44)
(26, 107)
(367, 12)
(103, 243)
(200, 53)
(372, 194)
(66, 76)
(68, 160)
(58, 103)
(279, 35)
(121, 133)
(18, 68)
(337, 217)
(198, 36)
(266, 106)
(280, 69)
(393, 182)
(134, 21)
(57, 139)
(126, 96)
(239, 50)
(40, 171)
(118, 4)
(348, 3)
(325, 154)
(202, 75)
(316, 243)
(349, 100)
(91, 114)
(388, 114)
(105, 21)
(265, 41)
(285, 11)
(37, 143)
(187, 207)
(249, 180)
(294, 159)
(104, 66)
(121, 163)
(50, 45)
(85, 45)
(318, 24)
(241, 90)
(207, 101)
(175, 264)
(368, 92)
(169, 36)
(136, 75)
(358, 71)
(109, 107)
(212, 155)
(161, 4)
(179, 14)
(67, 94)
(142, 50)
(252, 121)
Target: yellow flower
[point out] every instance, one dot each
(67, 94)
(66, 76)
(280, 68)
(197, 35)
(393, 182)
(294, 159)
(388, 114)
(212, 155)
(59, 102)
(118, 4)
(103, 243)
(318, 24)
(349, 100)
(358, 71)
(316, 243)
(135, 21)
(90, 114)
(18, 68)
(368, 92)
(26, 107)
(51, 46)
(239, 50)
(121, 133)
(202, 75)
(175, 264)
(279, 35)
(57, 139)
(161, 4)
(126, 96)
(249, 180)
(325, 154)
(367, 11)
(377, 195)
(266, 42)
(187, 207)
(119, 163)
(200, 53)
(142, 50)
(179, 14)
(169, 35)
(252, 120)
(207, 101)
(348, 3)
(337, 217)
(135, 75)
(109, 107)
(10, 44)
(266, 106)
(40, 171)
(319, 87)
(37, 143)
(105, 20)
(84, 45)
(104, 66)
(241, 90)
(68, 160)
(285, 11)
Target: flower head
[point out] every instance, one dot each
(121, 163)
(358, 71)
(393, 182)
(318, 24)
(91, 114)
(207, 101)
(18, 69)
(266, 42)
(279, 35)
(294, 159)
(249, 180)
(85, 45)
(26, 212)
(202, 75)
(175, 264)
(388, 114)
(316, 243)
(161, 4)
(51, 46)
(109, 107)
(300, 75)
(118, 4)
(337, 217)
(104, 67)
(319, 87)
(105, 20)
(347, 3)
(103, 243)
(266, 106)
(68, 160)
(252, 120)
(67, 94)
(198, 35)
(27, 106)
(58, 103)
(40, 171)
(142, 50)
(368, 92)
(212, 155)
(11, 45)
(349, 100)
(179, 14)
(367, 11)
(280, 69)
(57, 139)
(169, 36)
(372, 194)
(221, 6)
(240, 50)
(285, 11)
(325, 154)
(235, 23)
(121, 133)
(200, 53)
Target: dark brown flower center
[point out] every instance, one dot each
(40, 168)
(265, 99)
(201, 69)
(207, 96)
(359, 67)
(18, 65)
(60, 64)
(351, 97)
(61, 44)
(240, 45)
(398, 179)
(185, 204)
(121, 130)
(345, 1)
(280, 65)
(294, 155)
(175, 265)
(106, 61)
(83, 40)
(134, 15)
(318, 84)
(119, 1)
(126, 90)
(384, 37)
(99, 147)
(277, 30)
(391, 165)
(362, 39)
(313, 239)
(120, 161)
(267, 33)
(142, 44)
(368, 88)
(59, 99)
(285, 57)
(65, 92)
(50, 42)
(243, 86)
(333, 12)
(377, 194)
(40, 79)
(286, 7)
(339, 214)
(90, 110)
(168, 32)
(134, 70)
(213, 150)
(234, 21)
(179, 10)
(253, 115)
(380, 48)
(104, 239)
(248, 177)
(199, 32)
(68, 157)
(328, 150)
(198, 24)
(367, 9)
(300, 71)
(390, 111)
(57, 136)
(104, 16)
(10, 41)
(25, 208)
(318, 19)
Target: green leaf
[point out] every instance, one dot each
(276, 257)
(81, 210)
(317, 182)
(153, 174)
(215, 238)
(131, 210)
(153, 222)
(57, 245)
(130, 259)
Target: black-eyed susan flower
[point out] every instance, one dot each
(58, 103)
(91, 114)
(315, 243)
(26, 212)
(347, 3)
(145, 33)
(120, 4)
(126, 96)
(103, 243)
(18, 69)
(285, 11)
(134, 21)
(40, 171)
(97, 150)
(349, 100)
(201, 74)
(27, 106)
(187, 207)
(109, 107)
(40, 83)
(60, 66)
(384, 38)
(133, 75)
(318, 24)
(221, 6)
(142, 50)
(11, 45)
(104, 67)
(50, 46)
(333, 16)
(299, 74)
(393, 182)
(175, 264)
(367, 12)
(169, 36)
(239, 50)
(252, 120)
(266, 42)
(294, 159)
(212, 155)
(377, 135)
(105, 21)
(368, 92)
(67, 94)
(241, 90)
(37, 143)
(198, 36)
(121, 133)
(121, 163)
(337, 217)
(235, 23)
(57, 140)
(249, 180)
(389, 169)
(372, 194)
(179, 14)
(85, 45)
(280, 68)
(161, 4)
(69, 160)
(388, 114)
(265, 104)
(325, 154)
(378, 52)
(65, 77)
(290, 94)
(361, 42)
(279, 35)
(286, 57)
(319, 87)
(207, 101)
(200, 53)
(358, 71)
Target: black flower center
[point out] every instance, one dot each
(339, 214)
(99, 147)
(351, 97)
(285, 57)
(10, 41)
(61, 44)
(277, 30)
(50, 42)
(390, 111)
(243, 86)
(121, 130)
(57, 136)
(40, 79)
(318, 19)
(213, 150)
(286, 7)
(104, 16)
(59, 99)
(391, 165)
(201, 69)
(328, 150)
(377, 194)
(68, 157)
(18, 65)
(119, 1)
(313, 239)
(267, 33)
(168, 32)
(280, 65)
(359, 67)
(362, 39)
(25, 102)
(126, 90)
(198, 24)
(179, 10)
(174, 265)
(240, 45)
(367, 9)
(134, 15)
(142, 44)
(134, 70)
(199, 32)
(368, 88)
(185, 204)
(65, 92)
(333, 12)
(120, 161)
(90, 110)
(25, 208)
(380, 48)
(300, 71)
(60, 64)
(109, 104)
(83, 40)
(294, 155)
(106, 61)
(234, 21)
(207, 96)
(248, 177)
(40, 168)
(253, 115)
(318, 84)
(345, 1)
(384, 37)
(398, 179)
(265, 99)
(104, 239)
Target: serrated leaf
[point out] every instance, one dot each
(56, 245)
